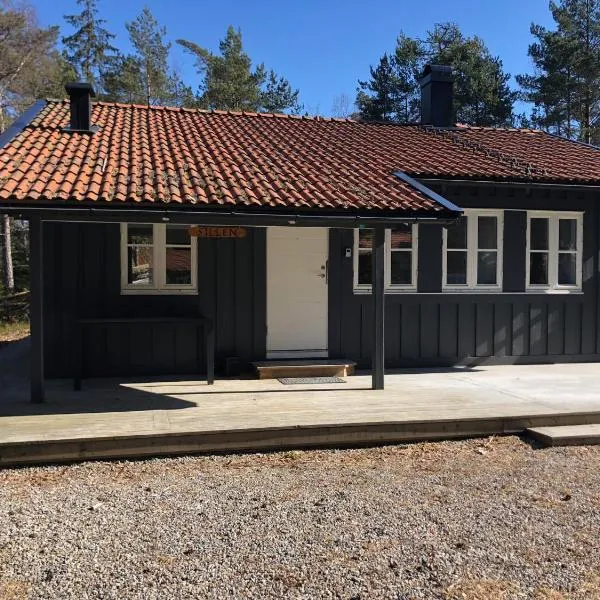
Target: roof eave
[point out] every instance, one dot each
(191, 214)
(508, 182)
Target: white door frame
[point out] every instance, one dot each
(316, 267)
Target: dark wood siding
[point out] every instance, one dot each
(431, 328)
(82, 277)
(428, 328)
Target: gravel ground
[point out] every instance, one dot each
(479, 519)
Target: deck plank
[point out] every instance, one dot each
(112, 418)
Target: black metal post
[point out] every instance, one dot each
(36, 291)
(378, 295)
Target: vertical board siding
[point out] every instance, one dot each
(225, 290)
(410, 342)
(242, 308)
(573, 326)
(556, 329)
(520, 328)
(466, 328)
(392, 323)
(84, 280)
(538, 327)
(502, 329)
(258, 282)
(431, 328)
(448, 330)
(484, 329)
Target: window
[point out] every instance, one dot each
(554, 244)
(157, 259)
(473, 252)
(400, 258)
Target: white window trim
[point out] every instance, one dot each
(553, 286)
(159, 287)
(389, 287)
(472, 252)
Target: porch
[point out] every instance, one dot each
(114, 418)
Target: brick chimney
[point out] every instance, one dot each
(80, 96)
(437, 96)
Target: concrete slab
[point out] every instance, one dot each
(567, 435)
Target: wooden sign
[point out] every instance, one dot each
(218, 232)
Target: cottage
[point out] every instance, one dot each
(160, 234)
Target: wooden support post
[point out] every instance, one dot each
(209, 333)
(36, 308)
(378, 295)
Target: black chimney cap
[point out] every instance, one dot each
(80, 86)
(80, 97)
(438, 73)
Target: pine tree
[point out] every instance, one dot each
(579, 28)
(181, 93)
(379, 99)
(481, 92)
(88, 49)
(231, 83)
(552, 88)
(278, 95)
(409, 63)
(145, 77)
(122, 82)
(482, 95)
(152, 54)
(565, 87)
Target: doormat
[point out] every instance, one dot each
(309, 380)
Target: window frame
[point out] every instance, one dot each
(554, 252)
(159, 256)
(389, 287)
(473, 250)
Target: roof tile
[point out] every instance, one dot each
(150, 154)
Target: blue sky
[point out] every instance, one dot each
(322, 47)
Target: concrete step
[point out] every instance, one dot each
(567, 435)
(274, 369)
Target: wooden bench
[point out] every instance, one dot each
(203, 323)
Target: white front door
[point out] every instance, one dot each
(297, 292)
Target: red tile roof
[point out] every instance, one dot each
(168, 155)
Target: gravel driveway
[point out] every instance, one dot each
(479, 519)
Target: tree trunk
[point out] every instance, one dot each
(9, 278)
(7, 262)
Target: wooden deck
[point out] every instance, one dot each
(125, 419)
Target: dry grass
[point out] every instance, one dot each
(546, 593)
(13, 331)
(591, 587)
(14, 317)
(482, 589)
(14, 590)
